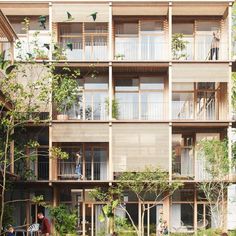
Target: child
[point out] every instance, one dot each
(10, 231)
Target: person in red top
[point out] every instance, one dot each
(45, 224)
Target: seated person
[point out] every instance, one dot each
(10, 231)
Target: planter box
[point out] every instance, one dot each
(62, 117)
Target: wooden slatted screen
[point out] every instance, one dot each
(200, 72)
(80, 132)
(135, 146)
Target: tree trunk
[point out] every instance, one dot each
(4, 180)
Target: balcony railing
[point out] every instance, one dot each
(95, 111)
(85, 51)
(132, 51)
(183, 169)
(89, 170)
(201, 172)
(186, 110)
(142, 111)
(200, 51)
(43, 171)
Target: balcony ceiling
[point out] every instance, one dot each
(144, 67)
(147, 9)
(20, 9)
(200, 9)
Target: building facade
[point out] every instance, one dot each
(170, 86)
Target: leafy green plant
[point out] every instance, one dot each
(59, 53)
(65, 89)
(115, 108)
(214, 154)
(65, 219)
(119, 56)
(123, 227)
(178, 46)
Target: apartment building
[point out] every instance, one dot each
(168, 98)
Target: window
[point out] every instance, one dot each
(140, 98)
(86, 162)
(89, 40)
(91, 102)
(126, 28)
(152, 26)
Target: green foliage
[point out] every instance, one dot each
(178, 46)
(209, 232)
(217, 165)
(215, 153)
(65, 89)
(65, 220)
(122, 225)
(59, 53)
(8, 216)
(56, 152)
(115, 108)
(153, 181)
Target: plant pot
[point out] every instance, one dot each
(41, 58)
(62, 117)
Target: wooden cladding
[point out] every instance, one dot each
(80, 12)
(146, 9)
(138, 145)
(199, 72)
(80, 132)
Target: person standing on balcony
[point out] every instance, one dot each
(78, 170)
(45, 225)
(215, 43)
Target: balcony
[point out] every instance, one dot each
(97, 51)
(142, 111)
(95, 111)
(202, 51)
(88, 170)
(132, 50)
(185, 110)
(32, 46)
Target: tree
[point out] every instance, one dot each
(65, 220)
(26, 101)
(217, 167)
(149, 182)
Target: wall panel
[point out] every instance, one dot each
(200, 72)
(138, 145)
(79, 132)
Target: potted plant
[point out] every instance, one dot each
(179, 46)
(65, 220)
(65, 93)
(40, 55)
(119, 56)
(115, 108)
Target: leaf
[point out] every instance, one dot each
(10, 68)
(115, 204)
(101, 218)
(70, 46)
(94, 16)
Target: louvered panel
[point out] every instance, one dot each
(80, 132)
(200, 72)
(140, 9)
(135, 146)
